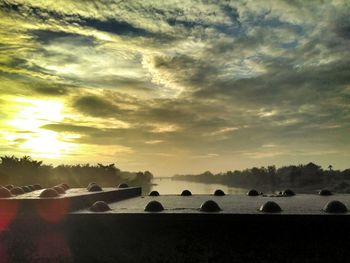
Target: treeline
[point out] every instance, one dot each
(26, 171)
(308, 175)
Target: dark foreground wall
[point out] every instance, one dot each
(43, 232)
(211, 238)
(180, 238)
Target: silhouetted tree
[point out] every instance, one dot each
(25, 170)
(294, 176)
(330, 167)
(272, 173)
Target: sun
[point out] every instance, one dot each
(30, 115)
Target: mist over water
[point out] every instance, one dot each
(172, 186)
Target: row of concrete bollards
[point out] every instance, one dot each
(251, 192)
(94, 187)
(55, 191)
(268, 207)
(211, 206)
(11, 190)
(61, 189)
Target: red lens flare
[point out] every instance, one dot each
(53, 211)
(8, 212)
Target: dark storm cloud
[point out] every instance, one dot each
(155, 111)
(232, 13)
(295, 99)
(46, 36)
(51, 90)
(175, 21)
(208, 119)
(187, 70)
(148, 115)
(16, 62)
(342, 27)
(273, 22)
(97, 106)
(169, 114)
(120, 83)
(282, 79)
(103, 136)
(117, 27)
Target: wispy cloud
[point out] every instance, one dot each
(247, 80)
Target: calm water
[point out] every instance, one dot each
(170, 186)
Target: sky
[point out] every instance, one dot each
(176, 87)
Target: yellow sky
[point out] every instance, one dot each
(175, 87)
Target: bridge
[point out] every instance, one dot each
(118, 224)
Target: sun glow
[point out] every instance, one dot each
(30, 115)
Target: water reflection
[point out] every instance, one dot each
(170, 186)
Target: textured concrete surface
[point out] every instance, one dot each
(308, 204)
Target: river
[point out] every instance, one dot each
(171, 186)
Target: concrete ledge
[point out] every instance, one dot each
(73, 200)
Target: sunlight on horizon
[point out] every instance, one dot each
(30, 116)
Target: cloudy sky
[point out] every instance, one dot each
(176, 86)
